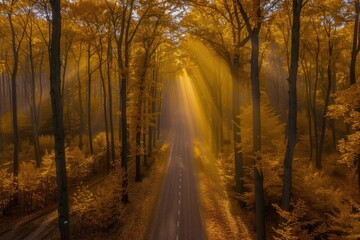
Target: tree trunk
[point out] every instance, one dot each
(41, 90)
(2, 99)
(354, 53)
(58, 127)
(292, 118)
(258, 176)
(236, 126)
(124, 136)
(112, 138)
(34, 123)
(139, 121)
(108, 163)
(89, 99)
(308, 108)
(80, 103)
(15, 50)
(326, 104)
(356, 45)
(332, 121)
(68, 112)
(314, 98)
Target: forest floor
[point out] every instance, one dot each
(221, 213)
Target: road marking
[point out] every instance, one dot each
(180, 179)
(179, 201)
(177, 236)
(178, 211)
(179, 186)
(179, 193)
(178, 223)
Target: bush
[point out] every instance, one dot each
(36, 187)
(77, 165)
(271, 155)
(99, 211)
(99, 142)
(6, 190)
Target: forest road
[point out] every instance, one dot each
(178, 211)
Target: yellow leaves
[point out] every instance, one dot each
(97, 210)
(349, 149)
(292, 223)
(2, 66)
(346, 104)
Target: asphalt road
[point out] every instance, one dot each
(178, 213)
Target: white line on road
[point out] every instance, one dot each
(179, 193)
(179, 201)
(178, 223)
(178, 211)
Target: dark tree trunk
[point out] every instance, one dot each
(314, 98)
(356, 44)
(326, 104)
(124, 136)
(255, 82)
(65, 90)
(236, 126)
(34, 123)
(89, 100)
(2, 99)
(332, 121)
(112, 138)
(292, 118)
(308, 108)
(108, 163)
(41, 89)
(55, 63)
(139, 121)
(81, 116)
(151, 128)
(15, 50)
(258, 176)
(354, 53)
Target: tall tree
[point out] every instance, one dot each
(58, 126)
(356, 43)
(297, 5)
(100, 52)
(33, 108)
(16, 40)
(354, 53)
(109, 78)
(254, 32)
(89, 72)
(127, 27)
